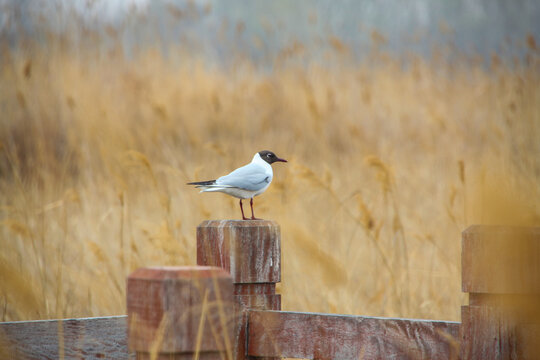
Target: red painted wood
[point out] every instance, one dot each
(501, 271)
(261, 302)
(249, 250)
(254, 289)
(183, 356)
(98, 338)
(324, 336)
(165, 307)
(257, 296)
(88, 338)
(487, 334)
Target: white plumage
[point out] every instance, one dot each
(245, 182)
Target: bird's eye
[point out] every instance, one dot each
(270, 155)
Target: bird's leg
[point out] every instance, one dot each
(242, 210)
(252, 214)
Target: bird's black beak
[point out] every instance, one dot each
(282, 160)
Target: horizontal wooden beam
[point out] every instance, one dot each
(88, 338)
(324, 336)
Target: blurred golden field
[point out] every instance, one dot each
(388, 163)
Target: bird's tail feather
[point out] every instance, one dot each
(202, 183)
(212, 188)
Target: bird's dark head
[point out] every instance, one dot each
(270, 157)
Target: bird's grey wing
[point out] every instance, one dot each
(251, 177)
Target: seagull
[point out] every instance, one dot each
(245, 182)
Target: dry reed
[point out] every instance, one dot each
(387, 165)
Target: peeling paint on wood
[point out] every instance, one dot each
(324, 336)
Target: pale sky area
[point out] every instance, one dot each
(210, 27)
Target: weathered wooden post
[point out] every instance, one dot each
(180, 313)
(501, 273)
(251, 252)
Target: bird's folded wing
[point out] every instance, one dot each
(250, 177)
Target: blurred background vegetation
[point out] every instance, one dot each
(403, 123)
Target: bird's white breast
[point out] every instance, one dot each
(240, 193)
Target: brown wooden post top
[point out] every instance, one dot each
(180, 313)
(250, 250)
(501, 273)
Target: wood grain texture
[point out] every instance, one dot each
(260, 302)
(501, 272)
(254, 289)
(179, 310)
(249, 250)
(89, 338)
(206, 355)
(522, 308)
(486, 333)
(501, 260)
(324, 336)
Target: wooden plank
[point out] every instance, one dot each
(249, 250)
(180, 310)
(88, 338)
(501, 260)
(324, 336)
(488, 334)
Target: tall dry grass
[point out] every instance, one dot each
(387, 165)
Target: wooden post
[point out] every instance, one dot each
(501, 273)
(251, 252)
(180, 313)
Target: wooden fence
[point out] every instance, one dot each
(227, 307)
